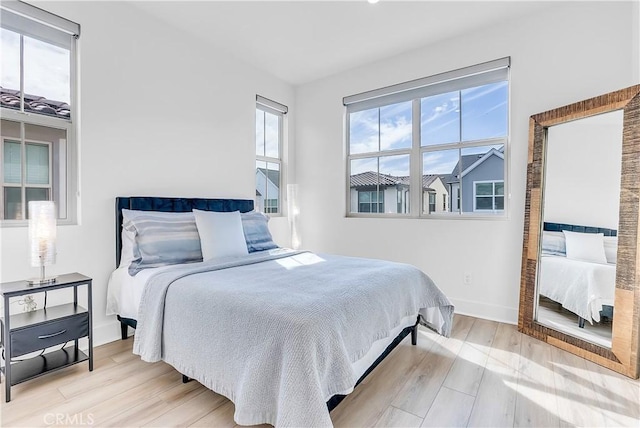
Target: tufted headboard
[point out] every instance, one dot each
(152, 203)
(559, 227)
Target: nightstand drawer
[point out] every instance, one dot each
(51, 333)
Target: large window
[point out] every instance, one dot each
(269, 138)
(433, 137)
(38, 103)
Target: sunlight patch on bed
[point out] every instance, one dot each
(304, 259)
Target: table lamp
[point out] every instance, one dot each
(42, 238)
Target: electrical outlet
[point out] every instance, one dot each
(467, 278)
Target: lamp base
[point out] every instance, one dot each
(41, 281)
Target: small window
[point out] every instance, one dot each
(432, 202)
(488, 196)
(38, 84)
(269, 139)
(371, 202)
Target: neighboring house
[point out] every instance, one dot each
(267, 190)
(482, 183)
(382, 193)
(32, 172)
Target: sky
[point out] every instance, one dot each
(46, 67)
(476, 113)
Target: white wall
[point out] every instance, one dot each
(582, 174)
(582, 50)
(161, 115)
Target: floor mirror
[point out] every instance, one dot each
(580, 283)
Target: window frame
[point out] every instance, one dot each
(23, 185)
(379, 201)
(267, 106)
(492, 196)
(456, 80)
(35, 21)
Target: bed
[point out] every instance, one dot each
(584, 287)
(283, 334)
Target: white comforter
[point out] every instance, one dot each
(581, 287)
(277, 333)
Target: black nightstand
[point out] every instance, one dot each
(28, 332)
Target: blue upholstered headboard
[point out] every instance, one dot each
(152, 203)
(559, 227)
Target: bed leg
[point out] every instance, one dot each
(414, 335)
(185, 379)
(124, 330)
(581, 322)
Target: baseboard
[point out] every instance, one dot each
(486, 311)
(107, 332)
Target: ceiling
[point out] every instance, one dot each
(302, 41)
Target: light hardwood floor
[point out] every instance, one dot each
(486, 374)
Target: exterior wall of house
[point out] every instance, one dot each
(491, 169)
(442, 197)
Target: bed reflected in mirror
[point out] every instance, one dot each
(576, 278)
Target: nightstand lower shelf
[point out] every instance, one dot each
(25, 370)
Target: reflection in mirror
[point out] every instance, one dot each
(576, 277)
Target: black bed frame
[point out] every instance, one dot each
(152, 203)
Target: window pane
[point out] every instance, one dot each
(273, 186)
(12, 203)
(440, 119)
(259, 132)
(440, 175)
(484, 203)
(363, 180)
(363, 131)
(395, 126)
(12, 162)
(261, 185)
(47, 73)
(10, 69)
(272, 135)
(267, 187)
(499, 202)
(37, 163)
(394, 176)
(484, 189)
(499, 188)
(35, 194)
(484, 111)
(364, 197)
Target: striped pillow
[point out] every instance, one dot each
(162, 238)
(256, 232)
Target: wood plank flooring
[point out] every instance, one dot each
(486, 374)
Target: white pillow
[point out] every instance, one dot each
(611, 249)
(221, 234)
(126, 254)
(588, 247)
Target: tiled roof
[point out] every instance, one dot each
(10, 98)
(370, 178)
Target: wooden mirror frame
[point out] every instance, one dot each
(623, 356)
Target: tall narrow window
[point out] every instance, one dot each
(38, 103)
(441, 136)
(269, 137)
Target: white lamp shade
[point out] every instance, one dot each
(42, 233)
